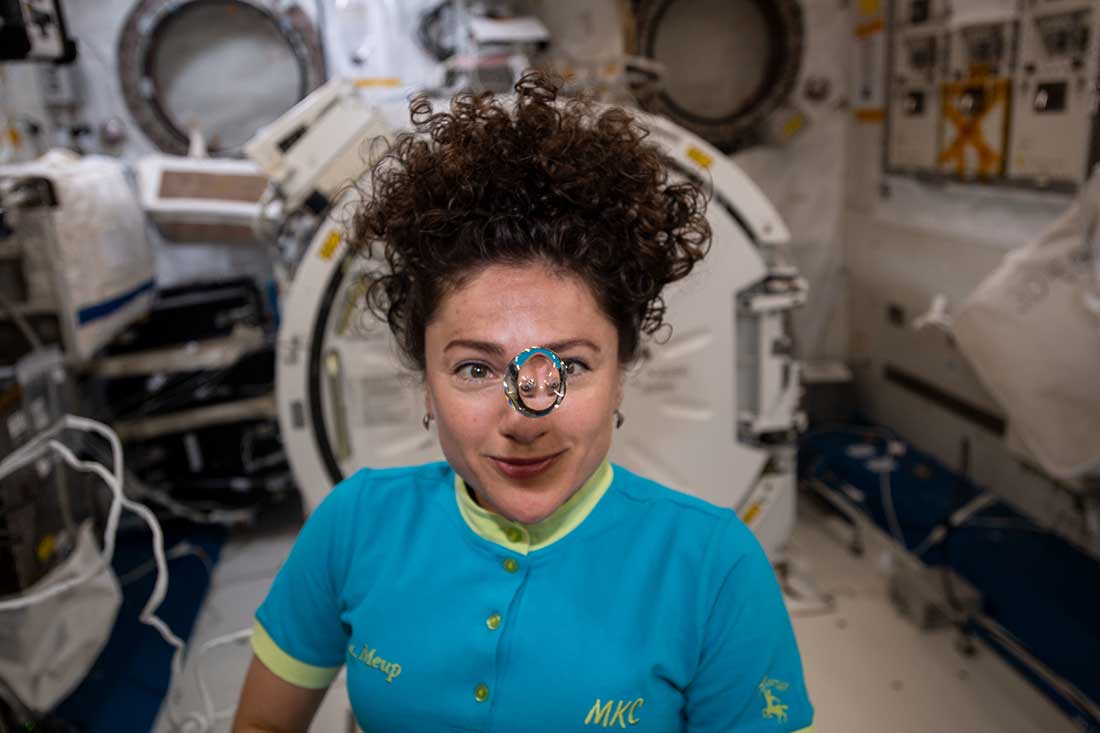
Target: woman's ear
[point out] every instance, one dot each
(617, 397)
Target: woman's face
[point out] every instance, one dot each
(522, 468)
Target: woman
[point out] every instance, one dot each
(525, 584)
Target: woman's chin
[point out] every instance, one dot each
(525, 507)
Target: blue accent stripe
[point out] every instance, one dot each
(107, 307)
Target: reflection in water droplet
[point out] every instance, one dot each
(539, 383)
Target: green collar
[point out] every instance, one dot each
(525, 538)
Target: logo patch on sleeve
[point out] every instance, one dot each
(773, 706)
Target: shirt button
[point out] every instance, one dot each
(481, 693)
(510, 564)
(513, 534)
(493, 622)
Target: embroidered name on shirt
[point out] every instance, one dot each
(370, 658)
(625, 713)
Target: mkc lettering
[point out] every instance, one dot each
(625, 713)
(367, 657)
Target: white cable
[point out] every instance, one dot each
(896, 447)
(204, 692)
(24, 457)
(30, 453)
(160, 586)
(888, 504)
(224, 517)
(884, 466)
(180, 549)
(958, 518)
(973, 507)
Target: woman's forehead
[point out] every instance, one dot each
(528, 305)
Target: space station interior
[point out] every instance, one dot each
(887, 365)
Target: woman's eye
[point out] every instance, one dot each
(474, 371)
(575, 367)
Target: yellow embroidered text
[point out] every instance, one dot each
(625, 712)
(369, 658)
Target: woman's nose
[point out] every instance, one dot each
(520, 428)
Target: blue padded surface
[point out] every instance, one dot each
(125, 688)
(1038, 586)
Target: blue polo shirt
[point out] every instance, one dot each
(631, 607)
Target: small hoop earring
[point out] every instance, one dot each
(619, 419)
(426, 421)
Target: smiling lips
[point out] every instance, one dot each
(521, 468)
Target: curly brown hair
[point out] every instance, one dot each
(569, 184)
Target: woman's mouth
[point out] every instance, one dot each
(523, 468)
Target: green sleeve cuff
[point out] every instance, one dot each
(287, 667)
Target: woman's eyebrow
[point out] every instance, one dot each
(493, 349)
(572, 343)
(486, 347)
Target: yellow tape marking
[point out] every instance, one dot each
(793, 125)
(970, 127)
(700, 157)
(377, 81)
(869, 7)
(45, 548)
(870, 28)
(330, 245)
(871, 114)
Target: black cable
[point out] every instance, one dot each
(181, 390)
(177, 393)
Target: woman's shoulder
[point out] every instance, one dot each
(390, 486)
(693, 518)
(423, 474)
(640, 490)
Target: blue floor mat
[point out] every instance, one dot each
(1036, 585)
(125, 688)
